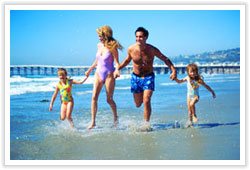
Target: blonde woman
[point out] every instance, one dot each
(107, 54)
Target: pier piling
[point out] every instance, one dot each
(21, 70)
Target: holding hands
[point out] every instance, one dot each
(116, 73)
(173, 75)
(87, 73)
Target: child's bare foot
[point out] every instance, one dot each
(195, 119)
(91, 126)
(71, 124)
(189, 124)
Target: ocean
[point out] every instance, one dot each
(37, 134)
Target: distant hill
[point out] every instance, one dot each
(230, 56)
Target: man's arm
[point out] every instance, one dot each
(125, 62)
(167, 61)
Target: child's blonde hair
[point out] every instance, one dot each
(62, 71)
(194, 67)
(107, 34)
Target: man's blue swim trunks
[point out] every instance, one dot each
(139, 83)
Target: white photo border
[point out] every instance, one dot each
(8, 8)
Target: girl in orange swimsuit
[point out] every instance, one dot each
(64, 86)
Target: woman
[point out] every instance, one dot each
(107, 53)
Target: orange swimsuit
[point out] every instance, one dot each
(65, 91)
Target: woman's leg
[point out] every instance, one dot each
(96, 91)
(110, 86)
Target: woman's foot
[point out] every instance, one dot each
(116, 122)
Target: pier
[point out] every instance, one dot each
(28, 70)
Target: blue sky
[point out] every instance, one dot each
(68, 37)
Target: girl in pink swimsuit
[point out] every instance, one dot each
(106, 73)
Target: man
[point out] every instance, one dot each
(142, 78)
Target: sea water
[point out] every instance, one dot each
(37, 134)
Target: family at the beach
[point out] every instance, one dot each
(142, 79)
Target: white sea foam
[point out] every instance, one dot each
(31, 87)
(21, 85)
(84, 92)
(168, 84)
(123, 88)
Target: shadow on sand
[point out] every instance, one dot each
(211, 125)
(166, 126)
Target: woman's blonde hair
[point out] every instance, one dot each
(194, 67)
(107, 34)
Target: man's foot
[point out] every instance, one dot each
(115, 124)
(146, 127)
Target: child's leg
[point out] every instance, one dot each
(63, 111)
(70, 106)
(192, 108)
(189, 123)
(189, 110)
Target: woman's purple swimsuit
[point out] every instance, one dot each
(105, 65)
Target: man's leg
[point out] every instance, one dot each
(138, 98)
(147, 94)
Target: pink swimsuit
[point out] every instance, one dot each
(105, 65)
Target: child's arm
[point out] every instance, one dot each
(208, 88)
(180, 80)
(53, 99)
(79, 82)
(87, 73)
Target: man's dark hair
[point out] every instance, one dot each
(141, 29)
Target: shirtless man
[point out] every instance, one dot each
(142, 78)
